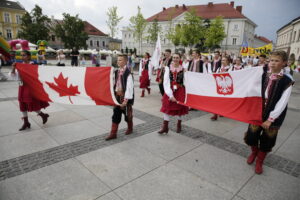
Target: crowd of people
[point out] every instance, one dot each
(276, 89)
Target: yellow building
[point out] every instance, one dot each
(10, 18)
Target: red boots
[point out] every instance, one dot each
(260, 157)
(143, 93)
(259, 162)
(253, 155)
(25, 125)
(165, 128)
(129, 127)
(113, 132)
(178, 126)
(214, 118)
(44, 117)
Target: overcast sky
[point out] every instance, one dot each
(269, 15)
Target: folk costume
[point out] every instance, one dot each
(173, 87)
(28, 103)
(124, 93)
(196, 65)
(276, 90)
(160, 74)
(215, 65)
(145, 71)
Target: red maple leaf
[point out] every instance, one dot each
(62, 88)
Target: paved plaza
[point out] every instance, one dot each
(69, 159)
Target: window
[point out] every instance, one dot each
(299, 35)
(233, 41)
(53, 38)
(8, 34)
(18, 19)
(124, 35)
(236, 27)
(6, 18)
(91, 43)
(103, 44)
(295, 33)
(98, 44)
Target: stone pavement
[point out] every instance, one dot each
(68, 158)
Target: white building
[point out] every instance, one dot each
(236, 26)
(288, 38)
(260, 41)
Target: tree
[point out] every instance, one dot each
(137, 26)
(192, 29)
(175, 35)
(35, 26)
(113, 21)
(215, 33)
(71, 32)
(153, 31)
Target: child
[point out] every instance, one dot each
(276, 90)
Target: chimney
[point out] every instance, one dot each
(239, 8)
(164, 8)
(232, 3)
(183, 7)
(176, 6)
(210, 4)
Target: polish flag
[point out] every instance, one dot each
(236, 95)
(70, 85)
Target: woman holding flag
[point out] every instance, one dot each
(27, 102)
(174, 93)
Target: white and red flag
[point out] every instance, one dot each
(236, 95)
(70, 85)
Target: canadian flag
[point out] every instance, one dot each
(70, 85)
(235, 95)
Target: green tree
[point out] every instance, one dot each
(71, 32)
(137, 26)
(153, 31)
(215, 33)
(192, 29)
(35, 26)
(175, 35)
(113, 21)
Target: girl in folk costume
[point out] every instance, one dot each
(174, 92)
(249, 64)
(238, 64)
(216, 63)
(225, 67)
(206, 66)
(145, 72)
(166, 61)
(27, 102)
(276, 90)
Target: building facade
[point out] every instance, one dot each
(288, 38)
(11, 14)
(260, 41)
(237, 26)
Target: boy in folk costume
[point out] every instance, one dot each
(276, 90)
(160, 72)
(125, 96)
(145, 71)
(196, 65)
(174, 92)
(216, 63)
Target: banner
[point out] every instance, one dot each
(69, 85)
(236, 95)
(249, 51)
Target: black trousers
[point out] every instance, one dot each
(161, 89)
(264, 139)
(118, 111)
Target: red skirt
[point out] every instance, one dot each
(172, 108)
(27, 102)
(144, 79)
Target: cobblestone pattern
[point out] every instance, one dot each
(24, 164)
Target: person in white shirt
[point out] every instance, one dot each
(61, 58)
(145, 72)
(123, 88)
(207, 68)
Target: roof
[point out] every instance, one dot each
(264, 39)
(288, 24)
(11, 5)
(92, 30)
(208, 11)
